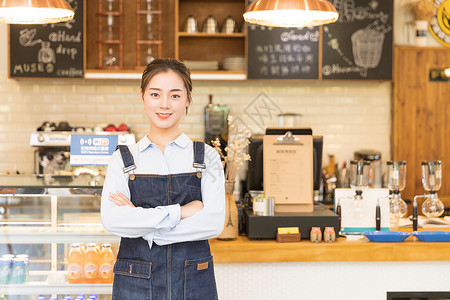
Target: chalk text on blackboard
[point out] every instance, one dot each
(33, 68)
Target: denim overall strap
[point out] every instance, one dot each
(127, 158)
(199, 155)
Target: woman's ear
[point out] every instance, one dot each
(142, 96)
(188, 100)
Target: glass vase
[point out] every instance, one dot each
(231, 226)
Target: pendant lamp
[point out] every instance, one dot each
(291, 13)
(35, 11)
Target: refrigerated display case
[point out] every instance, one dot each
(42, 217)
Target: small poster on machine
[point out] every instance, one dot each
(92, 149)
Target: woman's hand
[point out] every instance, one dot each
(120, 199)
(190, 209)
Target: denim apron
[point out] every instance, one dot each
(178, 271)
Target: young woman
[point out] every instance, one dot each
(165, 197)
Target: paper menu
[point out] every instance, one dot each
(288, 168)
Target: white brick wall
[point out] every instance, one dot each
(350, 115)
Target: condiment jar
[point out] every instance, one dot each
(316, 235)
(329, 235)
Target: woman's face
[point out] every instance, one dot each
(165, 100)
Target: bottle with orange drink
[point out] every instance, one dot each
(75, 264)
(91, 264)
(106, 264)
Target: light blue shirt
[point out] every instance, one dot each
(162, 225)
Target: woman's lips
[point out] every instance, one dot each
(163, 116)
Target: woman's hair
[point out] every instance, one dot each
(164, 65)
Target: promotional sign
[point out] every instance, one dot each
(359, 44)
(92, 149)
(48, 50)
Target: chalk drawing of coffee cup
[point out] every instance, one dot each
(367, 46)
(46, 54)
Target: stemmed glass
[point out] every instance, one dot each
(149, 20)
(110, 60)
(431, 181)
(396, 177)
(359, 179)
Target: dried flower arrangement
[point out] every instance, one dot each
(421, 9)
(235, 151)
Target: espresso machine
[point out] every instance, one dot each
(52, 149)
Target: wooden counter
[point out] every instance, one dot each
(244, 250)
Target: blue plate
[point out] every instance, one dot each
(386, 236)
(432, 236)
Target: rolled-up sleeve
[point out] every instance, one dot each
(128, 221)
(208, 223)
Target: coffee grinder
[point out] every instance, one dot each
(216, 123)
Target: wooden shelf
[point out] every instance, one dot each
(109, 41)
(132, 16)
(215, 35)
(137, 75)
(110, 13)
(147, 42)
(149, 12)
(208, 46)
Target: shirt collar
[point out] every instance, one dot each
(182, 140)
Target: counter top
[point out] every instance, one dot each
(244, 250)
(39, 181)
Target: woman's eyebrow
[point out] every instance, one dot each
(172, 90)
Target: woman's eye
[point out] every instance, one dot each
(154, 94)
(176, 96)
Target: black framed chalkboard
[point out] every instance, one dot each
(282, 53)
(49, 50)
(359, 44)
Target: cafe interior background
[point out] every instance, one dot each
(349, 114)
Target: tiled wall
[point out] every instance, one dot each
(350, 115)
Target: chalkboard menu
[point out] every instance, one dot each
(282, 53)
(49, 50)
(359, 44)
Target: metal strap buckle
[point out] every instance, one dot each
(199, 166)
(128, 169)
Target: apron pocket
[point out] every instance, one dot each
(199, 281)
(132, 280)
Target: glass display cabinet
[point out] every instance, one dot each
(40, 217)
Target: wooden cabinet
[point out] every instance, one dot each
(134, 42)
(202, 46)
(168, 39)
(421, 115)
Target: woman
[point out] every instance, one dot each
(165, 197)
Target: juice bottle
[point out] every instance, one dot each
(91, 264)
(75, 264)
(106, 263)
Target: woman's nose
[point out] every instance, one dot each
(165, 102)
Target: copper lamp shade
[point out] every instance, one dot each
(291, 13)
(35, 11)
